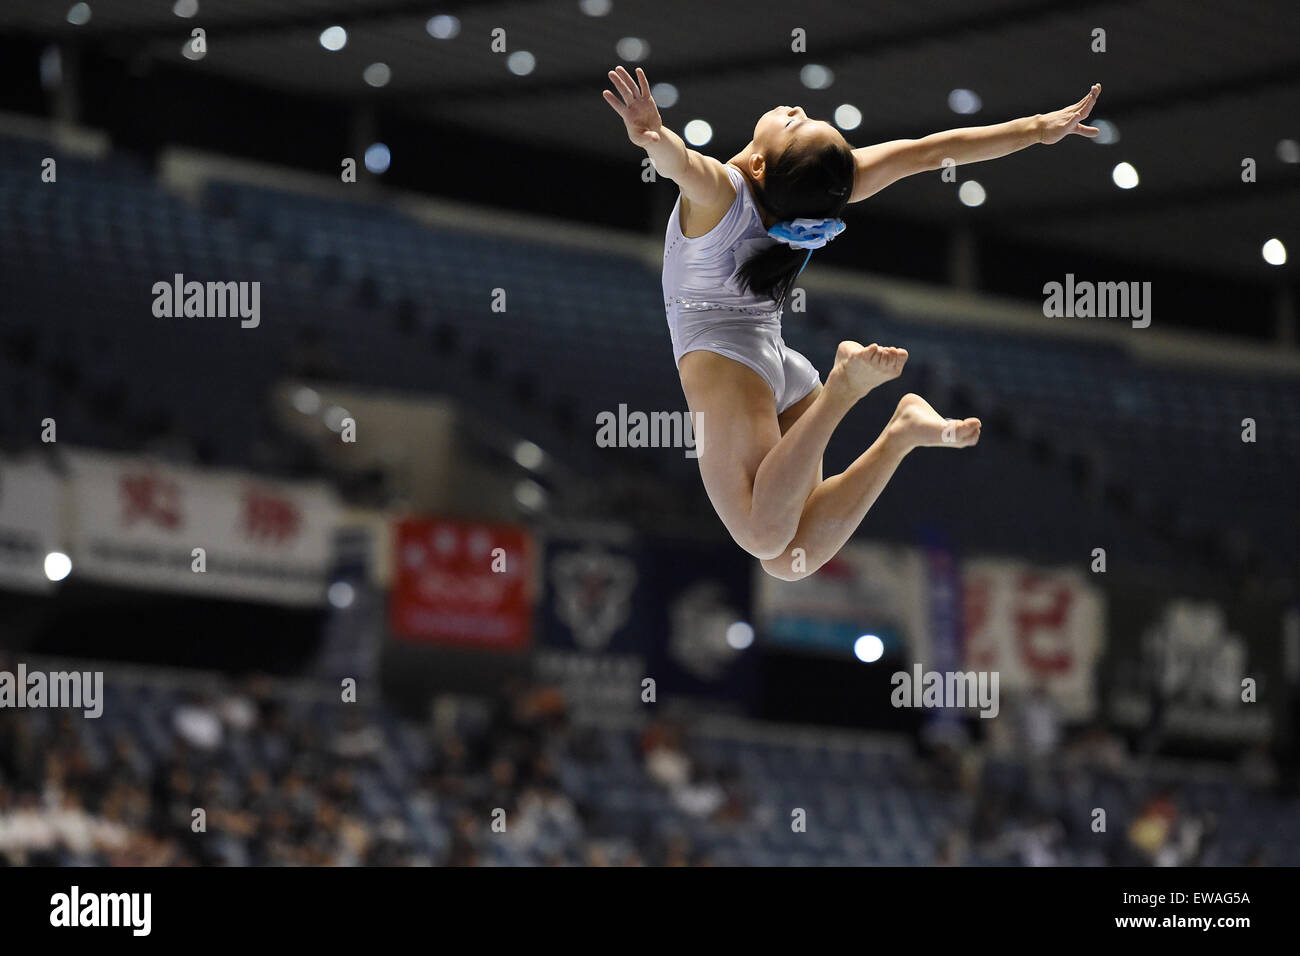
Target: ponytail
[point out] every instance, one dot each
(808, 190)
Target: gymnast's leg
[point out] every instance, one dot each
(837, 506)
(759, 480)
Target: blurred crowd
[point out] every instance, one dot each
(1042, 796)
(243, 778)
(246, 776)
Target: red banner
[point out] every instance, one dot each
(1037, 628)
(463, 583)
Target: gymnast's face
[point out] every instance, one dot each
(780, 127)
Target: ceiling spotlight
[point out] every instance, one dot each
(1124, 176)
(529, 456)
(971, 193)
(521, 62)
(377, 158)
(632, 48)
(442, 27)
(57, 565)
(334, 38)
(848, 116)
(964, 102)
(377, 74)
(1107, 132)
(739, 635)
(816, 77)
(698, 132)
(341, 594)
(868, 648)
(665, 94)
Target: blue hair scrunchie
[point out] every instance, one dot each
(807, 234)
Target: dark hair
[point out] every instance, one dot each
(801, 183)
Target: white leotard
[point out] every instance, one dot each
(708, 309)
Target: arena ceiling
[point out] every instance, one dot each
(1192, 88)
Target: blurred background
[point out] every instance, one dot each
(359, 573)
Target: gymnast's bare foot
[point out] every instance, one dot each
(858, 368)
(917, 425)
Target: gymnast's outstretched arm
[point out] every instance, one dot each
(702, 179)
(885, 163)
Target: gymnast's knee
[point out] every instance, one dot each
(762, 544)
(791, 564)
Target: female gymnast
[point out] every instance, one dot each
(738, 237)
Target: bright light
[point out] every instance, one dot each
(971, 193)
(334, 38)
(1124, 175)
(665, 94)
(1288, 150)
(442, 27)
(698, 132)
(306, 400)
(377, 74)
(964, 102)
(848, 116)
(334, 416)
(595, 8)
(57, 565)
(529, 455)
(739, 635)
(377, 158)
(530, 495)
(868, 648)
(186, 8)
(632, 48)
(1274, 252)
(816, 77)
(341, 594)
(1107, 132)
(79, 15)
(521, 62)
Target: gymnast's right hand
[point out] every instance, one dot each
(637, 108)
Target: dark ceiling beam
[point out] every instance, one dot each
(344, 13)
(1229, 190)
(1194, 94)
(1125, 105)
(827, 51)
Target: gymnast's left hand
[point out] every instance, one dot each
(638, 109)
(1054, 127)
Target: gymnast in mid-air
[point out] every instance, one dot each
(738, 237)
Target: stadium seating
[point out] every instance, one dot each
(302, 764)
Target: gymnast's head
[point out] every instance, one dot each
(801, 168)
